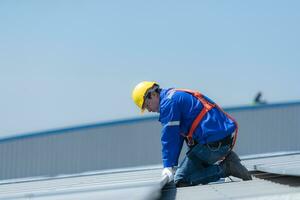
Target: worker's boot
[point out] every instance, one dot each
(232, 167)
(182, 184)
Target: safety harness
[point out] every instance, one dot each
(207, 106)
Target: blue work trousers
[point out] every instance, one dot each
(199, 165)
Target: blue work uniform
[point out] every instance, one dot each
(178, 110)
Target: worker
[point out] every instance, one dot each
(210, 134)
(258, 99)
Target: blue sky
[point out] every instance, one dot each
(65, 63)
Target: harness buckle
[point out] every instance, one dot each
(190, 142)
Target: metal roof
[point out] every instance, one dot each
(255, 189)
(144, 183)
(278, 163)
(135, 184)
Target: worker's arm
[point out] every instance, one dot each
(171, 139)
(171, 145)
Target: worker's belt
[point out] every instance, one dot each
(225, 141)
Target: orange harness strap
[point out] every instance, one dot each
(207, 106)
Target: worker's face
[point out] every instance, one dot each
(152, 103)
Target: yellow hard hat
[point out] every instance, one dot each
(138, 93)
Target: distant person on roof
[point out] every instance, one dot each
(258, 99)
(209, 132)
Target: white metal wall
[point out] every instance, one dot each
(136, 142)
(268, 129)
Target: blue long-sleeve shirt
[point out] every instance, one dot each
(178, 110)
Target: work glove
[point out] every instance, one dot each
(169, 172)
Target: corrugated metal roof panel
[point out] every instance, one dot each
(133, 185)
(286, 164)
(233, 190)
(143, 183)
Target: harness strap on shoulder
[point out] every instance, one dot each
(207, 106)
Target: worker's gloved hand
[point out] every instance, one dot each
(169, 172)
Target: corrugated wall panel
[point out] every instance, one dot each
(76, 151)
(268, 129)
(136, 142)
